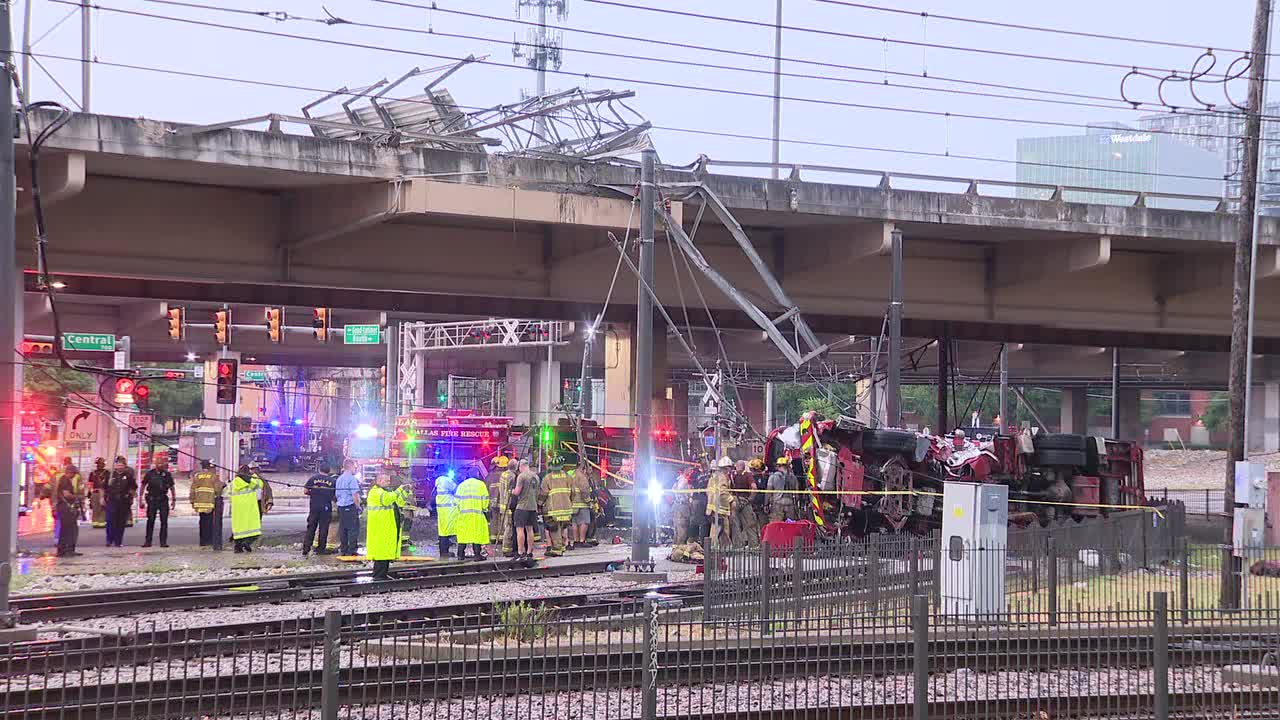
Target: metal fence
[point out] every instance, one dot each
(1202, 502)
(651, 660)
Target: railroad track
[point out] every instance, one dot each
(619, 669)
(270, 589)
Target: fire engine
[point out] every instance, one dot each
(431, 442)
(894, 478)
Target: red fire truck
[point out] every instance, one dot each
(430, 442)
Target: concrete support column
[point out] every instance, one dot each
(1130, 404)
(618, 365)
(1075, 411)
(520, 392)
(1264, 420)
(546, 391)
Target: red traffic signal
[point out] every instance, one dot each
(125, 386)
(228, 376)
(36, 347)
(141, 395)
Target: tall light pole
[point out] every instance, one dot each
(642, 513)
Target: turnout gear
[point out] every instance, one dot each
(382, 532)
(206, 489)
(720, 504)
(98, 480)
(681, 507)
(500, 526)
(555, 496)
(406, 513)
(781, 505)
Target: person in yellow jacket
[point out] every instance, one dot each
(246, 515)
(473, 525)
(206, 501)
(405, 488)
(446, 514)
(382, 529)
(555, 498)
(720, 502)
(583, 496)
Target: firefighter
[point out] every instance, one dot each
(446, 514)
(382, 530)
(745, 526)
(698, 525)
(246, 513)
(206, 497)
(555, 499)
(583, 485)
(681, 503)
(781, 502)
(720, 503)
(98, 480)
(500, 528)
(473, 527)
(405, 489)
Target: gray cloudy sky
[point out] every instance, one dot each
(162, 43)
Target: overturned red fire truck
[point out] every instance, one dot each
(863, 480)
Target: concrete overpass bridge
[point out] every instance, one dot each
(155, 211)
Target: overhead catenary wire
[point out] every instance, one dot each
(657, 126)
(639, 81)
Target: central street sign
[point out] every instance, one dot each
(254, 376)
(89, 342)
(361, 334)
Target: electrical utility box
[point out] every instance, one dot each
(975, 536)
(1248, 528)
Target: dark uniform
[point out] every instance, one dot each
(122, 488)
(320, 488)
(66, 503)
(158, 487)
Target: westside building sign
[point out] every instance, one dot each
(1127, 138)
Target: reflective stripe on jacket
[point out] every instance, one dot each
(382, 531)
(246, 519)
(556, 496)
(473, 502)
(204, 489)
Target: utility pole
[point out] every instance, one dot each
(543, 52)
(86, 54)
(642, 512)
(1115, 393)
(10, 309)
(1242, 294)
(944, 383)
(1004, 387)
(777, 88)
(893, 396)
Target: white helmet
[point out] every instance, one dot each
(724, 462)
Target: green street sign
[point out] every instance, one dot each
(254, 375)
(89, 342)
(362, 334)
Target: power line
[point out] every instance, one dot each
(1019, 26)
(638, 81)
(667, 128)
(886, 39)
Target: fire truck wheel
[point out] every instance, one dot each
(1061, 441)
(892, 441)
(1062, 458)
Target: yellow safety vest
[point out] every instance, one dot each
(473, 502)
(246, 519)
(446, 513)
(382, 531)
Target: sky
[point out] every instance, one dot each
(413, 37)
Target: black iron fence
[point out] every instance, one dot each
(651, 660)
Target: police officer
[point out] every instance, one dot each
(382, 530)
(246, 514)
(206, 501)
(472, 499)
(446, 514)
(782, 504)
(320, 488)
(69, 472)
(122, 487)
(555, 497)
(66, 507)
(161, 496)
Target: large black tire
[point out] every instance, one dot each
(890, 441)
(1061, 441)
(1063, 458)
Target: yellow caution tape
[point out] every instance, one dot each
(573, 446)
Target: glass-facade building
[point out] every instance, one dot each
(1220, 133)
(1118, 158)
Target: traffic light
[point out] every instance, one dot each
(320, 324)
(124, 391)
(228, 376)
(222, 327)
(141, 395)
(36, 347)
(275, 318)
(382, 382)
(177, 322)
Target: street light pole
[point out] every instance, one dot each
(10, 309)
